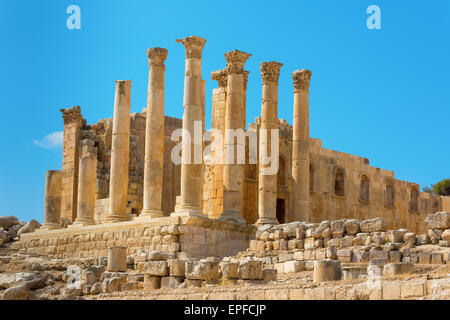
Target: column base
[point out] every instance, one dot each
(266, 221)
(151, 213)
(82, 223)
(233, 217)
(50, 226)
(116, 218)
(189, 209)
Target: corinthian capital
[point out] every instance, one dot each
(270, 71)
(236, 60)
(221, 77)
(301, 79)
(71, 115)
(156, 57)
(193, 45)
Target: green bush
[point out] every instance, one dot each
(442, 188)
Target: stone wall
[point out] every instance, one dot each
(185, 235)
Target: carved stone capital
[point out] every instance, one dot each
(270, 71)
(221, 76)
(193, 45)
(236, 60)
(71, 115)
(156, 57)
(301, 79)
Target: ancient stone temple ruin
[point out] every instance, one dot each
(119, 186)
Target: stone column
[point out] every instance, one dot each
(154, 135)
(87, 178)
(233, 173)
(267, 183)
(191, 172)
(73, 121)
(52, 207)
(300, 147)
(118, 184)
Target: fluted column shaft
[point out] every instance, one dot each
(300, 146)
(118, 186)
(52, 206)
(233, 172)
(86, 184)
(267, 183)
(154, 134)
(192, 153)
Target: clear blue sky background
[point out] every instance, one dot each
(381, 94)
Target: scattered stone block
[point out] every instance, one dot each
(250, 270)
(269, 275)
(395, 256)
(151, 282)
(374, 225)
(410, 238)
(439, 220)
(344, 255)
(434, 235)
(437, 258)
(338, 226)
(156, 268)
(203, 270)
(346, 241)
(391, 290)
(327, 270)
(396, 236)
(444, 243)
(335, 242)
(353, 272)
(412, 289)
(379, 262)
(299, 255)
(229, 270)
(176, 267)
(446, 235)
(117, 259)
(309, 264)
(424, 257)
(332, 253)
(352, 226)
(171, 282)
(392, 269)
(294, 266)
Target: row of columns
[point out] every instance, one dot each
(191, 167)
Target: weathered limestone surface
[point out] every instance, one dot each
(233, 171)
(118, 187)
(300, 147)
(192, 151)
(267, 206)
(52, 207)
(86, 184)
(154, 136)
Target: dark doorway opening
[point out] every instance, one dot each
(281, 210)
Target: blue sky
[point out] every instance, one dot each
(381, 94)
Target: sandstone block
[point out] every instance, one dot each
(392, 269)
(396, 236)
(299, 255)
(117, 259)
(346, 241)
(424, 257)
(229, 270)
(331, 253)
(176, 267)
(299, 234)
(410, 238)
(437, 258)
(374, 225)
(344, 255)
(151, 283)
(413, 289)
(422, 239)
(156, 268)
(8, 221)
(395, 256)
(338, 226)
(327, 270)
(17, 293)
(352, 226)
(446, 235)
(444, 243)
(379, 262)
(391, 290)
(294, 266)
(434, 235)
(269, 275)
(202, 270)
(171, 282)
(335, 242)
(439, 220)
(249, 270)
